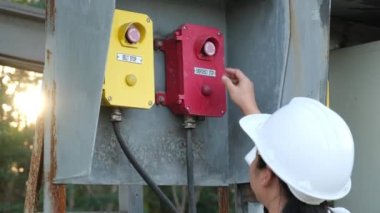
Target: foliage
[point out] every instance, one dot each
(15, 141)
(92, 198)
(207, 199)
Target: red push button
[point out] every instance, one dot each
(206, 90)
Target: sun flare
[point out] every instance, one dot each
(29, 103)
(24, 87)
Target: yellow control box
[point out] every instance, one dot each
(129, 71)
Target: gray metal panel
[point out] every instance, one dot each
(22, 37)
(354, 92)
(131, 198)
(80, 31)
(283, 47)
(258, 36)
(156, 136)
(258, 41)
(157, 139)
(306, 73)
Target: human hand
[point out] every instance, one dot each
(241, 90)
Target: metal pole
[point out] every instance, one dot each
(223, 199)
(131, 198)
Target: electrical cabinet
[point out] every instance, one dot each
(194, 61)
(129, 76)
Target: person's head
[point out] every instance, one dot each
(269, 187)
(303, 153)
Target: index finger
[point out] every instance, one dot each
(235, 72)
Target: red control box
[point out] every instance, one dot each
(194, 60)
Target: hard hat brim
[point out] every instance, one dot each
(251, 156)
(249, 124)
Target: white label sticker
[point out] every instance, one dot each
(129, 58)
(204, 71)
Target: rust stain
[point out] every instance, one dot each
(223, 199)
(35, 170)
(57, 191)
(50, 13)
(295, 42)
(48, 55)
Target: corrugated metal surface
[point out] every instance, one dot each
(283, 47)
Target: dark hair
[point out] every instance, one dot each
(294, 205)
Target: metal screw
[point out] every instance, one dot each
(157, 44)
(150, 103)
(161, 99)
(109, 98)
(184, 27)
(148, 20)
(188, 108)
(219, 33)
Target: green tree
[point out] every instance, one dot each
(16, 139)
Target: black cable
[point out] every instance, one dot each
(190, 172)
(140, 170)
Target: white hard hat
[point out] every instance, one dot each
(308, 146)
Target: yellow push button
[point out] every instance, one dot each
(131, 80)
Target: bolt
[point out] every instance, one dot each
(150, 103)
(157, 44)
(161, 99)
(116, 115)
(148, 20)
(109, 98)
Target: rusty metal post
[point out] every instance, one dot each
(54, 194)
(223, 199)
(35, 170)
(245, 199)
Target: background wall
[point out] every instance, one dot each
(354, 88)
